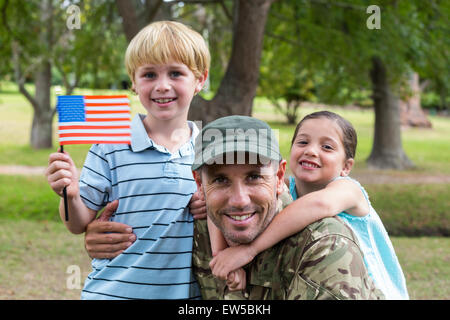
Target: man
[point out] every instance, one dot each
(239, 170)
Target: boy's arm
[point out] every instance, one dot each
(79, 214)
(61, 173)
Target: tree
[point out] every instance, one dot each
(411, 113)
(238, 86)
(352, 55)
(387, 150)
(38, 40)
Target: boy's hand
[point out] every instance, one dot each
(236, 280)
(230, 259)
(197, 205)
(62, 172)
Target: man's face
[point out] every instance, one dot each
(241, 199)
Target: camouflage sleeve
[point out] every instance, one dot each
(332, 267)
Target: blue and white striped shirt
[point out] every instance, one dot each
(154, 187)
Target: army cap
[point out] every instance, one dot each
(247, 139)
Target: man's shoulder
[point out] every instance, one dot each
(327, 227)
(326, 256)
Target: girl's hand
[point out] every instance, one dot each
(230, 259)
(236, 280)
(197, 205)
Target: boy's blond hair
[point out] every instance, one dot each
(164, 41)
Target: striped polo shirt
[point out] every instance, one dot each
(154, 188)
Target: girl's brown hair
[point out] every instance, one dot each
(349, 139)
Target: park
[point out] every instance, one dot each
(273, 60)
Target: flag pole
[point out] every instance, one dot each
(66, 206)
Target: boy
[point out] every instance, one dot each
(168, 64)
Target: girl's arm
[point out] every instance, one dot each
(337, 196)
(218, 242)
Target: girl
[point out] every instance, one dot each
(322, 156)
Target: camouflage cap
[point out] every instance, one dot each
(251, 140)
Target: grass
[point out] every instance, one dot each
(35, 259)
(425, 263)
(35, 265)
(27, 197)
(36, 249)
(412, 210)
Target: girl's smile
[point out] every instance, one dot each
(317, 154)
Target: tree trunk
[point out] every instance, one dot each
(411, 113)
(387, 151)
(238, 86)
(41, 130)
(130, 22)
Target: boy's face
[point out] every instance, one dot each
(166, 90)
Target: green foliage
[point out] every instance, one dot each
(91, 55)
(330, 40)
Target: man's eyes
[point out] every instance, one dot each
(219, 180)
(250, 178)
(254, 177)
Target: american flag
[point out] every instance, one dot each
(93, 119)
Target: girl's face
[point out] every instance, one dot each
(166, 90)
(318, 154)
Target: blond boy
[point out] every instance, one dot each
(168, 64)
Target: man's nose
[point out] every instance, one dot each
(239, 196)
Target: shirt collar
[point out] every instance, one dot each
(139, 137)
(141, 141)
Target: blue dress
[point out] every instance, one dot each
(379, 255)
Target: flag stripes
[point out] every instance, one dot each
(94, 119)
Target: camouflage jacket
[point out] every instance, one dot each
(323, 261)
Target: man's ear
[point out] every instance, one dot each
(280, 176)
(198, 178)
(348, 165)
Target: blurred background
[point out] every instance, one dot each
(383, 65)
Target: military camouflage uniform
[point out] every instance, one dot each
(323, 261)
